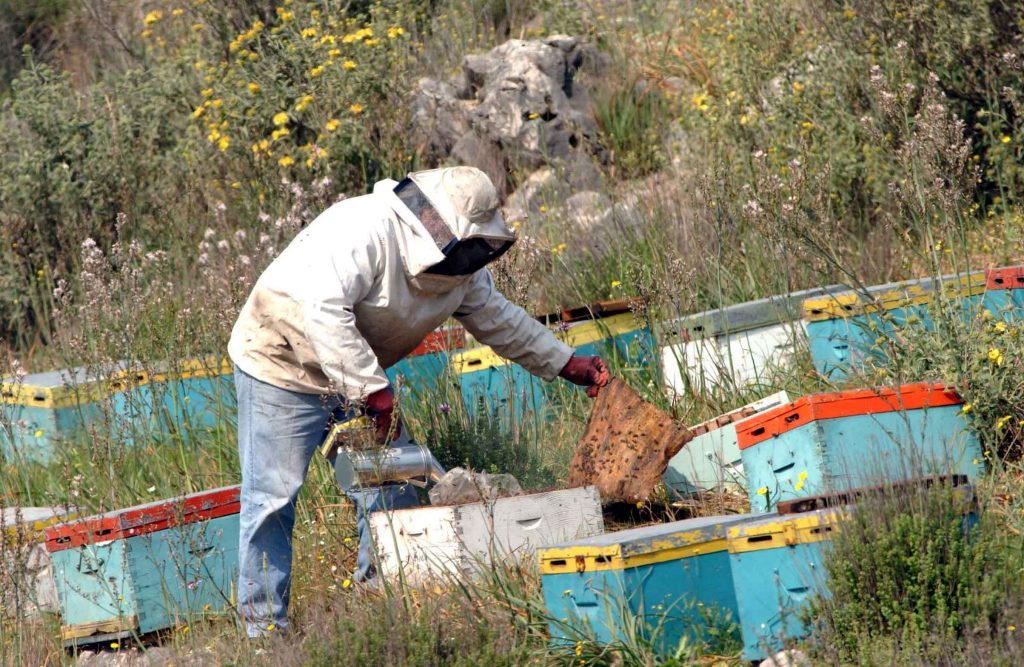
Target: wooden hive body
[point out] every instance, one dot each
(452, 541)
(849, 439)
(668, 580)
(146, 567)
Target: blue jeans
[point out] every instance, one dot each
(278, 433)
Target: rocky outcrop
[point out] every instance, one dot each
(518, 107)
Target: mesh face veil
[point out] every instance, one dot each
(462, 256)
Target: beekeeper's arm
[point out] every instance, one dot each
(341, 279)
(509, 330)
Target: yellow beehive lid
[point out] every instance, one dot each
(638, 547)
(69, 388)
(784, 531)
(573, 335)
(900, 295)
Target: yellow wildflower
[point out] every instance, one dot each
(235, 185)
(356, 108)
(798, 87)
(177, 12)
(533, 115)
(184, 630)
(206, 92)
(279, 132)
(115, 645)
(807, 125)
(1011, 628)
(616, 283)
(146, 34)
(347, 583)
(1002, 422)
(559, 249)
(284, 14)
(270, 628)
(762, 491)
(213, 136)
(579, 648)
(799, 485)
(327, 39)
(198, 111)
(967, 408)
(316, 71)
(1005, 139)
(995, 355)
(153, 17)
(39, 433)
(743, 119)
(303, 102)
(333, 124)
(254, 87)
(216, 104)
(349, 65)
(286, 161)
(334, 53)
(543, 209)
(372, 42)
(395, 31)
(309, 33)
(197, 27)
(999, 327)
(280, 118)
(223, 143)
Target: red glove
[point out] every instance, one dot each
(380, 407)
(587, 372)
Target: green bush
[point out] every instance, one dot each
(907, 570)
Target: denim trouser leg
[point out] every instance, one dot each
(278, 433)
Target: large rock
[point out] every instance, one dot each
(516, 107)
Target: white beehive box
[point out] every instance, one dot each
(26, 574)
(438, 542)
(711, 461)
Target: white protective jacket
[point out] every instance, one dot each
(348, 298)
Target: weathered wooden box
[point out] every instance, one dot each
(26, 576)
(455, 541)
(737, 345)
(850, 331)
(491, 384)
(45, 410)
(147, 567)
(776, 566)
(848, 439)
(711, 460)
(668, 581)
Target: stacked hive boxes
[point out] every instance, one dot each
(147, 567)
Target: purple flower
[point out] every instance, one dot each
(445, 408)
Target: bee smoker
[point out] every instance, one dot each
(361, 462)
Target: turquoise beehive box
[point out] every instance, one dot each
(668, 581)
(777, 567)
(192, 397)
(1004, 292)
(147, 567)
(824, 443)
(46, 410)
(490, 383)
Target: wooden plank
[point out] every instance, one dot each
(627, 445)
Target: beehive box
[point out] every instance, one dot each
(1004, 292)
(491, 383)
(666, 580)
(46, 410)
(777, 567)
(454, 541)
(849, 331)
(711, 460)
(843, 440)
(736, 345)
(26, 576)
(147, 567)
(193, 397)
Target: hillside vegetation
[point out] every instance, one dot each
(157, 155)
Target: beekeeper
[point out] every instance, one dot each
(353, 293)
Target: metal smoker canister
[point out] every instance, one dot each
(402, 461)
